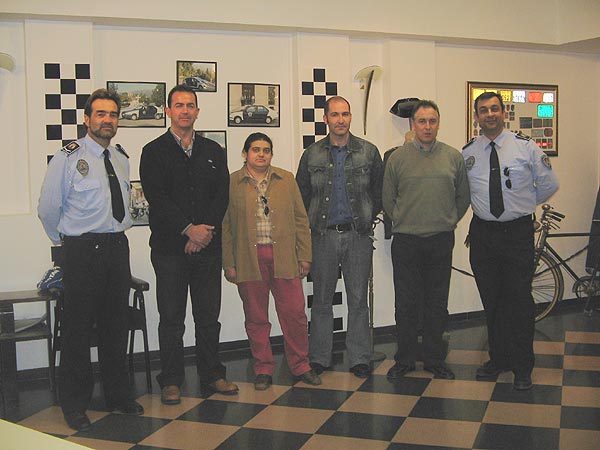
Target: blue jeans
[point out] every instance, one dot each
(354, 253)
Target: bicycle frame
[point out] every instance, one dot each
(548, 283)
(561, 262)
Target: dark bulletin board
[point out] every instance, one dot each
(531, 109)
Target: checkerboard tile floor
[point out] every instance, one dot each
(562, 411)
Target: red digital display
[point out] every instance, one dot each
(535, 97)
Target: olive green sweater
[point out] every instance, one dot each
(425, 192)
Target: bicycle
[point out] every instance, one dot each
(548, 281)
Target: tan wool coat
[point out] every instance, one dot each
(290, 228)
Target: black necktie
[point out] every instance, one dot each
(496, 202)
(116, 197)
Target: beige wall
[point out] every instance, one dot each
(526, 21)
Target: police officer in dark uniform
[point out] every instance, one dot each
(84, 205)
(508, 175)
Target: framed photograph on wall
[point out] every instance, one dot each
(201, 76)
(531, 109)
(253, 105)
(142, 103)
(138, 205)
(219, 136)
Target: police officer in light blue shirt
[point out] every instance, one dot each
(84, 206)
(75, 197)
(508, 176)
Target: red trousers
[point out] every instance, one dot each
(289, 303)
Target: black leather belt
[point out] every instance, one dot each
(342, 227)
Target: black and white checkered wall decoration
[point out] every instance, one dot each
(67, 88)
(314, 95)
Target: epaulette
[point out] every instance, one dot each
(469, 143)
(520, 135)
(120, 149)
(70, 148)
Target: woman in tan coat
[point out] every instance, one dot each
(267, 248)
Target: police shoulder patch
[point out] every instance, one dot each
(70, 147)
(470, 162)
(469, 143)
(546, 161)
(83, 167)
(520, 135)
(120, 150)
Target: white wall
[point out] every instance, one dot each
(410, 68)
(528, 21)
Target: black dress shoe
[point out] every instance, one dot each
(130, 407)
(311, 378)
(78, 421)
(361, 370)
(262, 382)
(399, 370)
(317, 368)
(440, 371)
(522, 382)
(488, 371)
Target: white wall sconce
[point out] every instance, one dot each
(7, 62)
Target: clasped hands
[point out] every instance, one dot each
(199, 236)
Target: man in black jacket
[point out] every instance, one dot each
(186, 182)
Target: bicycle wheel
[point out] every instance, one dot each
(547, 286)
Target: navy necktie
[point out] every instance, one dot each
(496, 202)
(116, 197)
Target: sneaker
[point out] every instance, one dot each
(52, 279)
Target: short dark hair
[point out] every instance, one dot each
(486, 96)
(101, 94)
(258, 136)
(335, 99)
(181, 88)
(424, 104)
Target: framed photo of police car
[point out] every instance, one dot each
(138, 205)
(142, 103)
(201, 76)
(530, 109)
(252, 105)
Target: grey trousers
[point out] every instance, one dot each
(354, 253)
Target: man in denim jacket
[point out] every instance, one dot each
(340, 179)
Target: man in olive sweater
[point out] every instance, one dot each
(426, 193)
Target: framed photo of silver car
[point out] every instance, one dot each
(138, 205)
(253, 105)
(201, 76)
(142, 103)
(219, 136)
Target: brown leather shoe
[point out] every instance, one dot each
(222, 386)
(170, 395)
